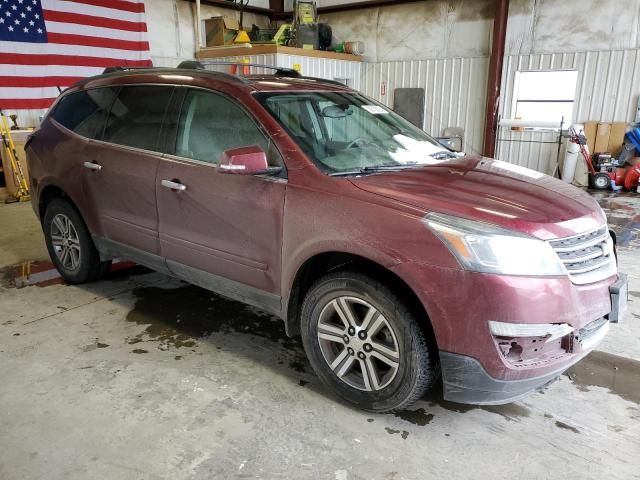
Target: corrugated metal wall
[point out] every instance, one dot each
(310, 66)
(537, 150)
(455, 91)
(608, 81)
(607, 90)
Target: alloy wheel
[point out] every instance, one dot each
(66, 242)
(358, 343)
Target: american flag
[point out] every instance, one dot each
(45, 44)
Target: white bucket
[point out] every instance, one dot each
(570, 161)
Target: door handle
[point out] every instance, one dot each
(93, 166)
(173, 185)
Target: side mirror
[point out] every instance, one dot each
(244, 161)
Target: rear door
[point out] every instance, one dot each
(120, 170)
(222, 231)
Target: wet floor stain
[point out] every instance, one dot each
(623, 215)
(404, 434)
(139, 350)
(510, 411)
(178, 317)
(418, 417)
(181, 317)
(620, 375)
(566, 426)
(370, 420)
(297, 366)
(92, 346)
(302, 383)
(634, 294)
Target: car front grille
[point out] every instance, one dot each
(588, 257)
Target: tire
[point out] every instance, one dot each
(65, 231)
(601, 181)
(391, 325)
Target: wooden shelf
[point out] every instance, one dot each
(265, 49)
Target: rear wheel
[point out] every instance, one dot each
(69, 244)
(365, 344)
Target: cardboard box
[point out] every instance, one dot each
(605, 137)
(616, 138)
(220, 31)
(590, 133)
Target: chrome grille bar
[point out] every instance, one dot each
(588, 257)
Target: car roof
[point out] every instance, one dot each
(282, 80)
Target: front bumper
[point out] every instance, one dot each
(479, 367)
(466, 381)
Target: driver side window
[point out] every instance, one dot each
(210, 124)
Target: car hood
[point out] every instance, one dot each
(491, 191)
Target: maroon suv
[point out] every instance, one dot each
(394, 258)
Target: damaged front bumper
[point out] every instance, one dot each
(466, 381)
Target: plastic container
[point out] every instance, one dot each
(355, 48)
(570, 161)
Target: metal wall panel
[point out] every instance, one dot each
(537, 150)
(455, 92)
(325, 68)
(607, 90)
(310, 66)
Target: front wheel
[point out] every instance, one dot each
(601, 181)
(365, 344)
(69, 244)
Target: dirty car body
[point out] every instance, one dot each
(509, 275)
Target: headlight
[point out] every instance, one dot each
(482, 247)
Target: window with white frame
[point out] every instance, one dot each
(545, 95)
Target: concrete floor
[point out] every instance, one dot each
(142, 377)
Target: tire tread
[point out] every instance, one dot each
(426, 368)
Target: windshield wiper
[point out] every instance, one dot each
(375, 169)
(387, 168)
(443, 154)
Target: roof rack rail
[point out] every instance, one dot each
(326, 80)
(201, 65)
(122, 69)
(281, 71)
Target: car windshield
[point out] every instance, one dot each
(346, 133)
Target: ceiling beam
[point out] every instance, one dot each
(232, 6)
(365, 4)
(277, 14)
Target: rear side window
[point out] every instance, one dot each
(135, 119)
(210, 124)
(85, 112)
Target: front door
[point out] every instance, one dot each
(120, 169)
(221, 231)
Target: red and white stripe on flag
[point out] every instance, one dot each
(79, 39)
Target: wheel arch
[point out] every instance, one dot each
(49, 193)
(323, 263)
